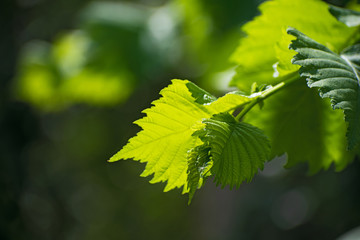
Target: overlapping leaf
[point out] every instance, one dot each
(266, 42)
(238, 150)
(350, 17)
(303, 125)
(200, 165)
(336, 76)
(167, 135)
(229, 102)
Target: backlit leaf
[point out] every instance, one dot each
(237, 149)
(167, 132)
(266, 43)
(167, 135)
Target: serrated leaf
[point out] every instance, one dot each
(266, 42)
(303, 125)
(167, 135)
(350, 17)
(237, 149)
(336, 76)
(200, 165)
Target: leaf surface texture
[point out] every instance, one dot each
(237, 149)
(336, 76)
(266, 43)
(167, 135)
(301, 124)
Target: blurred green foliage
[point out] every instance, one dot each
(55, 77)
(119, 45)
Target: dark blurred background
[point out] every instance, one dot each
(75, 74)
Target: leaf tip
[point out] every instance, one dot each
(114, 158)
(190, 199)
(291, 30)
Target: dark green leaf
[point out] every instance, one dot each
(199, 166)
(336, 76)
(350, 17)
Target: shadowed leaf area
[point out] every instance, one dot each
(336, 77)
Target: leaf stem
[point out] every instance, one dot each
(267, 93)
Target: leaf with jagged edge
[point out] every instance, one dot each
(350, 17)
(237, 149)
(257, 53)
(336, 77)
(167, 131)
(303, 125)
(199, 166)
(167, 135)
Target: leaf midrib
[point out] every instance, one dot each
(353, 69)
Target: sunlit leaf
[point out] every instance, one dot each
(229, 102)
(266, 42)
(238, 150)
(167, 135)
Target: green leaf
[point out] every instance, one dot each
(336, 76)
(200, 165)
(229, 102)
(267, 42)
(167, 132)
(350, 17)
(200, 95)
(167, 135)
(237, 150)
(303, 125)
